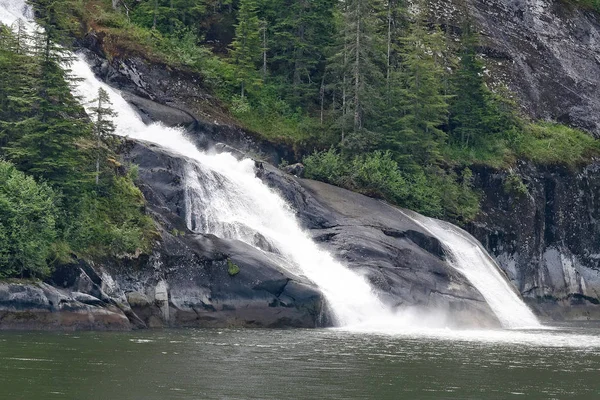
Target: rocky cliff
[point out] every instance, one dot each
(197, 280)
(546, 236)
(546, 51)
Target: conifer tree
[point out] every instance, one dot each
(246, 47)
(473, 115)
(302, 32)
(359, 62)
(423, 105)
(43, 138)
(102, 115)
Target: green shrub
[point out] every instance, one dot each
(433, 192)
(27, 224)
(327, 166)
(111, 223)
(376, 174)
(513, 184)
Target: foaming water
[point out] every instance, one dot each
(544, 337)
(468, 257)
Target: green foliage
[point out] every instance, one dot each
(111, 223)
(27, 224)
(246, 45)
(407, 106)
(86, 206)
(432, 192)
(587, 4)
(327, 166)
(551, 143)
(423, 106)
(513, 184)
(232, 268)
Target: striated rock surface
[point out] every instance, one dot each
(546, 51)
(547, 238)
(39, 306)
(403, 261)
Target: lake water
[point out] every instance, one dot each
(562, 363)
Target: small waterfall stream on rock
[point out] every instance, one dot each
(470, 258)
(224, 197)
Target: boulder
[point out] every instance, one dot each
(39, 306)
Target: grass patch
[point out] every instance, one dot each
(548, 143)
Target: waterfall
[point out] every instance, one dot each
(468, 257)
(224, 197)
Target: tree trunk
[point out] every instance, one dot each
(155, 13)
(389, 50)
(357, 119)
(98, 125)
(264, 49)
(322, 95)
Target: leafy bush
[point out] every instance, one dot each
(113, 223)
(434, 192)
(327, 166)
(27, 224)
(376, 174)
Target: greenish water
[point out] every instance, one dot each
(563, 363)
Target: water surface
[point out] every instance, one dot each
(563, 363)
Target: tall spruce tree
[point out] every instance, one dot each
(359, 62)
(102, 115)
(44, 137)
(246, 47)
(301, 32)
(423, 105)
(474, 116)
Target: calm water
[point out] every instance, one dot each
(563, 363)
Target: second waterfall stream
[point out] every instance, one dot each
(225, 198)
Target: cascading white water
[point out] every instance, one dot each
(470, 258)
(225, 198)
(233, 202)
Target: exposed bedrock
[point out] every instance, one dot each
(547, 239)
(546, 51)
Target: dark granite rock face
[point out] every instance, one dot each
(405, 263)
(548, 239)
(546, 51)
(39, 306)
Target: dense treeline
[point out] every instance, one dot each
(375, 95)
(60, 191)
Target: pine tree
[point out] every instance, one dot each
(473, 115)
(102, 115)
(47, 121)
(302, 32)
(359, 62)
(246, 47)
(423, 105)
